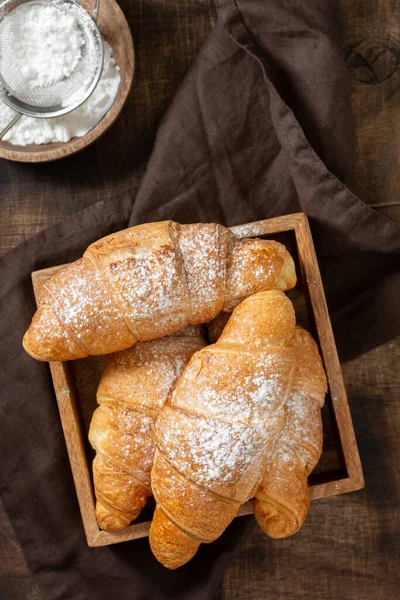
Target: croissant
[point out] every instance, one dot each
(147, 282)
(282, 500)
(133, 388)
(225, 417)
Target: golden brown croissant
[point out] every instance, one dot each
(282, 500)
(147, 282)
(133, 388)
(224, 418)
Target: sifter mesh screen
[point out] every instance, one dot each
(60, 95)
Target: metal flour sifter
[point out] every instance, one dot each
(58, 98)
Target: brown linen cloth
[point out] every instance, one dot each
(260, 127)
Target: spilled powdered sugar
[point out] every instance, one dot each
(32, 130)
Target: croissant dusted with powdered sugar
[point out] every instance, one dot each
(282, 500)
(133, 388)
(215, 439)
(147, 282)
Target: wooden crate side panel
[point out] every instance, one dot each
(269, 226)
(341, 409)
(71, 425)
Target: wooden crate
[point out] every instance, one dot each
(339, 469)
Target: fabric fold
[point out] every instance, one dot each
(243, 148)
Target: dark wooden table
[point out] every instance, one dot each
(349, 545)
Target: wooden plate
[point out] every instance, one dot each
(115, 30)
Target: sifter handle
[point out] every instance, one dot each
(95, 10)
(9, 125)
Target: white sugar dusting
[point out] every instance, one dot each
(160, 290)
(245, 388)
(204, 252)
(255, 266)
(236, 414)
(301, 438)
(123, 437)
(165, 478)
(241, 416)
(85, 309)
(147, 372)
(137, 383)
(152, 287)
(216, 451)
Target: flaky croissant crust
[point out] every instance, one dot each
(225, 420)
(147, 282)
(133, 388)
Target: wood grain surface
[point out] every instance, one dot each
(349, 546)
